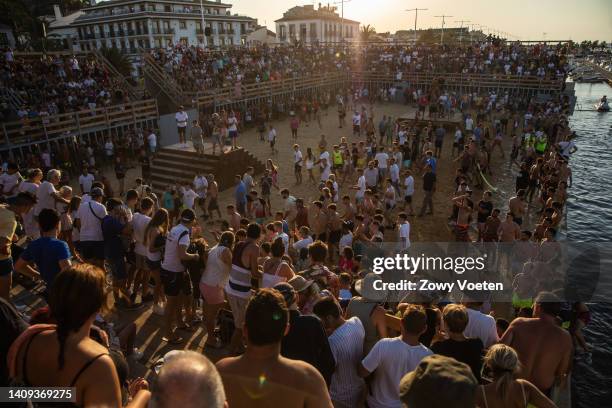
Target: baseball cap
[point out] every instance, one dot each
(96, 192)
(287, 291)
(439, 382)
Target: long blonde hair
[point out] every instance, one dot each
(504, 364)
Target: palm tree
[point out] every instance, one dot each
(366, 32)
(118, 60)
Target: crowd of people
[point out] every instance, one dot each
(199, 70)
(283, 290)
(55, 84)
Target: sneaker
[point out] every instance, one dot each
(158, 309)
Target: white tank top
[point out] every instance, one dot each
(268, 280)
(216, 272)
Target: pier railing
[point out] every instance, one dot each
(49, 128)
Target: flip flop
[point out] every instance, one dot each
(174, 340)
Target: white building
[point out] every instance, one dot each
(309, 25)
(261, 36)
(132, 24)
(60, 28)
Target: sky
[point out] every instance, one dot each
(525, 19)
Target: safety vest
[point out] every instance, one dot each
(540, 145)
(337, 156)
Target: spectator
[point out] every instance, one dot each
(89, 223)
(49, 254)
(506, 390)
(391, 358)
(457, 346)
(47, 195)
(293, 382)
(175, 279)
(439, 382)
(480, 325)
(116, 226)
(371, 314)
(64, 354)
(306, 339)
(188, 380)
(346, 342)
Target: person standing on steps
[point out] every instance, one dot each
(181, 118)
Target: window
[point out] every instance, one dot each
(313, 30)
(198, 25)
(292, 30)
(167, 9)
(184, 40)
(182, 25)
(302, 31)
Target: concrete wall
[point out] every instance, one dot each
(167, 127)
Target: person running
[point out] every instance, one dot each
(295, 383)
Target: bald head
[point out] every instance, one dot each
(188, 380)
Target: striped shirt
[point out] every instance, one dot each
(346, 344)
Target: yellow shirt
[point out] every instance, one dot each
(7, 230)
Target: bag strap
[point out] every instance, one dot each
(94, 213)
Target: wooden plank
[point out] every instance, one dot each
(393, 324)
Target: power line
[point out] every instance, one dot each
(443, 16)
(461, 29)
(416, 14)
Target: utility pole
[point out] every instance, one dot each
(204, 40)
(416, 14)
(461, 29)
(443, 16)
(341, 2)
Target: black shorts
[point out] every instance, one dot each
(176, 283)
(408, 199)
(334, 236)
(421, 108)
(438, 144)
(92, 250)
(355, 128)
(213, 204)
(297, 168)
(6, 267)
(518, 220)
(153, 265)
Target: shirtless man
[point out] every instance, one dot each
(543, 347)
(466, 207)
(261, 377)
(318, 221)
(508, 232)
(334, 224)
(348, 213)
(516, 205)
(233, 217)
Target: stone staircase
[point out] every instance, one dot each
(162, 86)
(173, 165)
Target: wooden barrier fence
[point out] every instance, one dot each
(45, 129)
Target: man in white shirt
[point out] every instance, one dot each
(403, 229)
(356, 124)
(323, 156)
(140, 220)
(109, 151)
(360, 187)
(89, 223)
(10, 180)
(392, 358)
(181, 118)
(408, 191)
(325, 170)
(189, 197)
(152, 141)
(297, 163)
(278, 228)
(346, 342)
(469, 124)
(480, 325)
(86, 179)
(394, 174)
(200, 184)
(47, 195)
(304, 239)
(174, 277)
(382, 157)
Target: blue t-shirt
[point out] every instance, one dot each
(241, 193)
(432, 162)
(46, 253)
(111, 230)
(168, 201)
